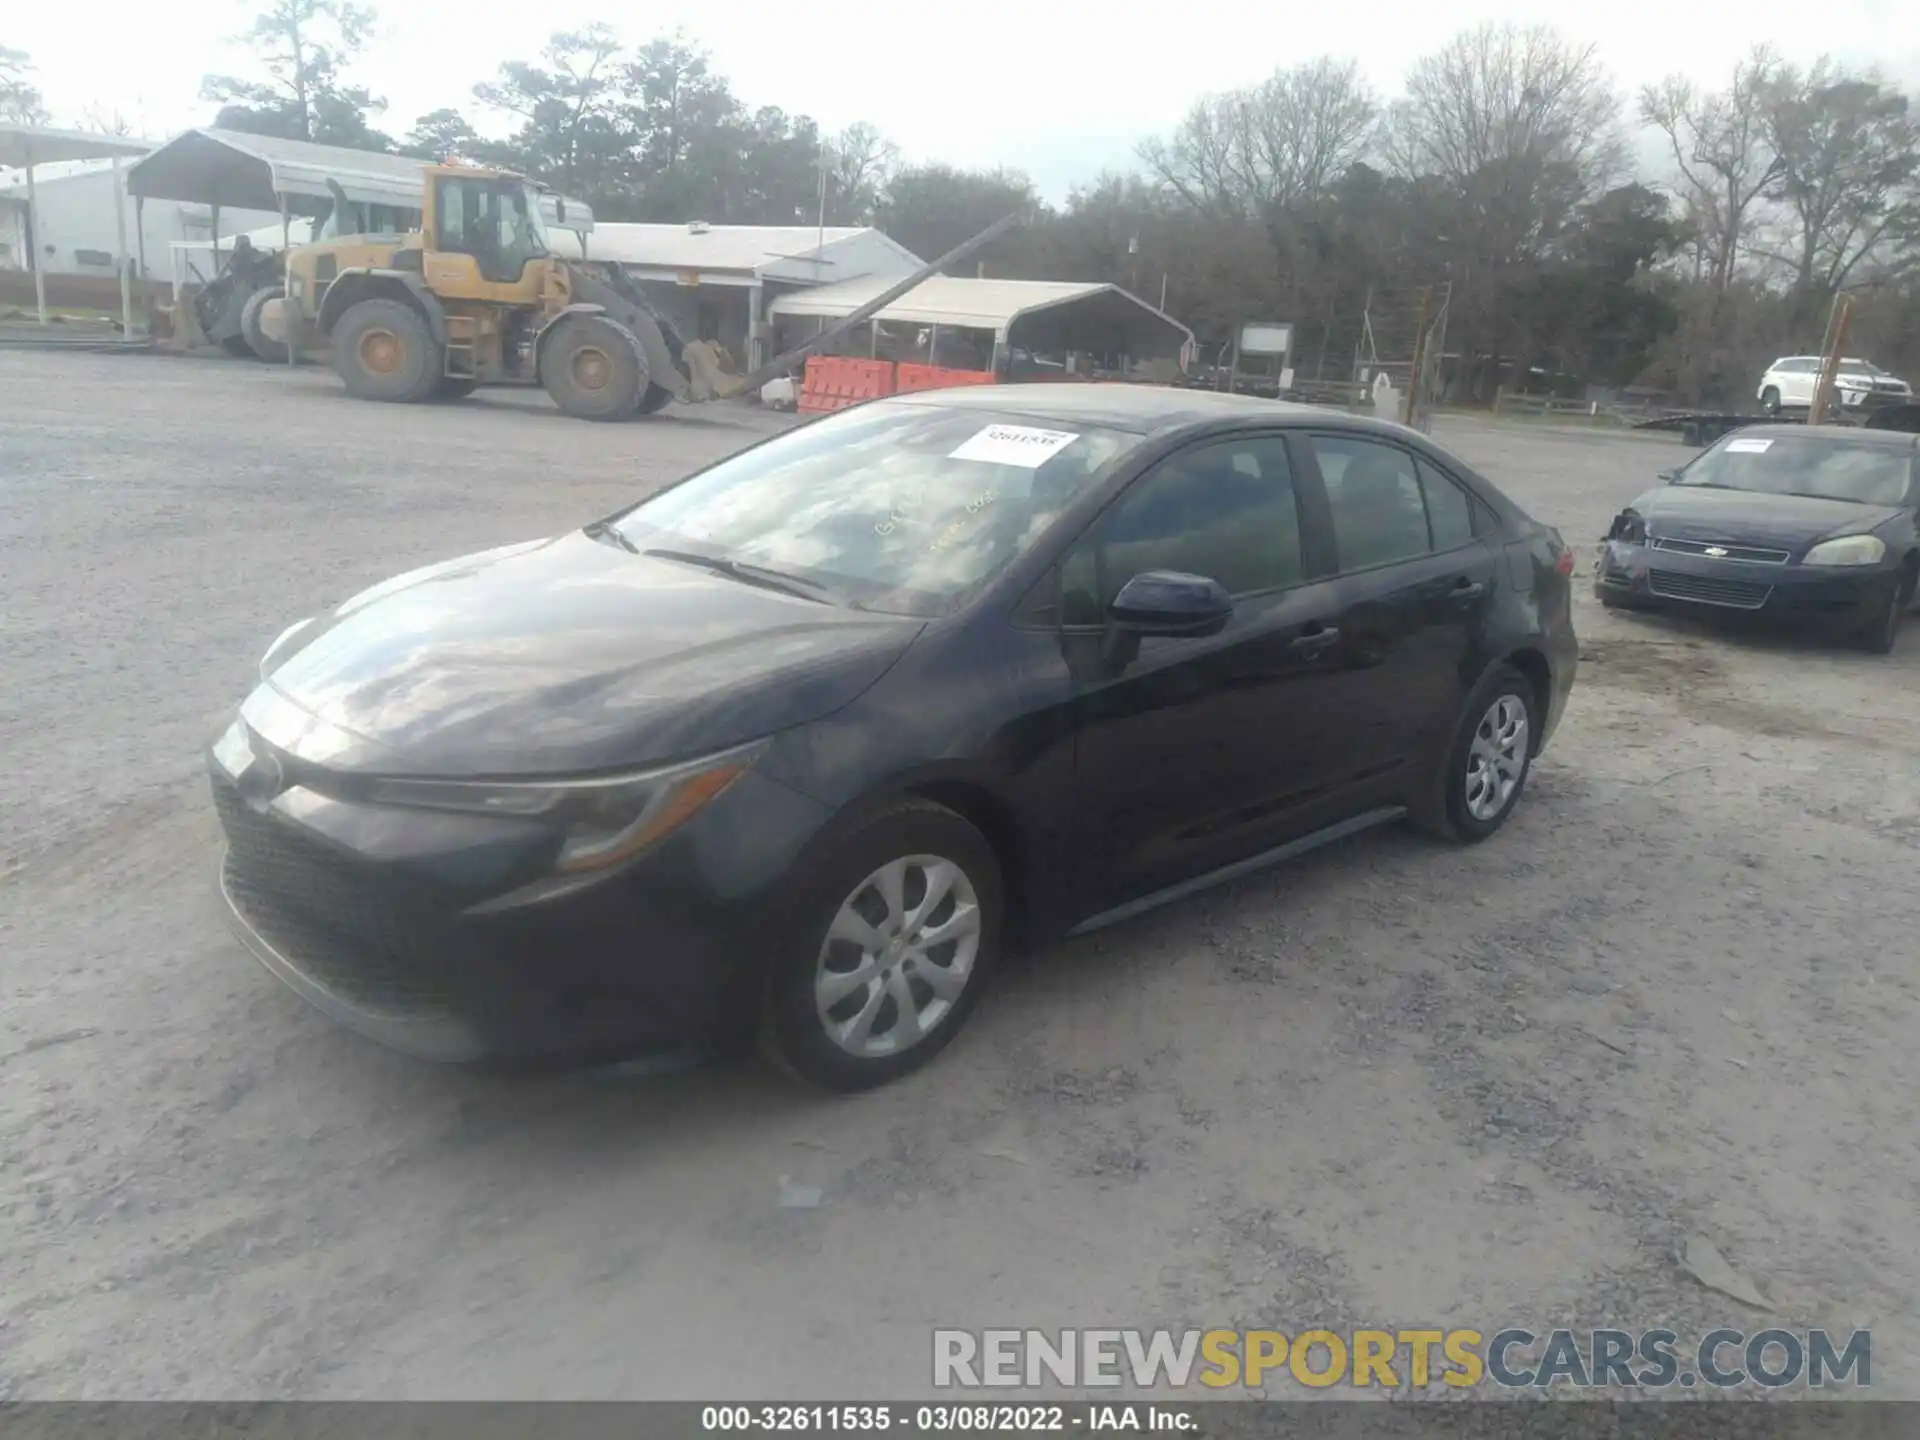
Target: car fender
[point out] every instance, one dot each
(560, 316)
(363, 282)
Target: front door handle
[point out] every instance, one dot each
(1465, 589)
(1319, 638)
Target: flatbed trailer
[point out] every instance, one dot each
(1703, 428)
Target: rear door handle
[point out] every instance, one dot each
(1315, 640)
(1464, 589)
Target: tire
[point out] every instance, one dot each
(655, 400)
(383, 350)
(452, 387)
(592, 368)
(1450, 812)
(1882, 633)
(273, 352)
(798, 1024)
(1770, 400)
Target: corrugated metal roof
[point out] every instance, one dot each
(230, 167)
(943, 299)
(37, 145)
(714, 247)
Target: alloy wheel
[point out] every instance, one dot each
(1496, 758)
(898, 956)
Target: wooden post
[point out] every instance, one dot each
(1411, 407)
(1837, 324)
(33, 245)
(120, 228)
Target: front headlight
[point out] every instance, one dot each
(606, 821)
(1848, 550)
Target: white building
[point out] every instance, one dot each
(79, 232)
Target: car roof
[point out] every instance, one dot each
(1144, 409)
(1851, 434)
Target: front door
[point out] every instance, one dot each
(1194, 752)
(1418, 578)
(484, 232)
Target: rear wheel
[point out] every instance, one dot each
(274, 352)
(592, 368)
(887, 951)
(1487, 765)
(383, 350)
(1770, 400)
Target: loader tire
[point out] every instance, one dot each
(383, 350)
(274, 352)
(591, 366)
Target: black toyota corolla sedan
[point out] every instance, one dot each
(1813, 524)
(791, 749)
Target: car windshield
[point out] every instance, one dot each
(898, 507)
(1861, 367)
(1803, 465)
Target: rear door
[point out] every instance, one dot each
(1418, 571)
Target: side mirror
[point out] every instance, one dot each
(1669, 477)
(560, 210)
(1166, 602)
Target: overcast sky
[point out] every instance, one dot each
(1058, 88)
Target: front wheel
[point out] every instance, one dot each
(1882, 632)
(274, 352)
(890, 946)
(1487, 765)
(592, 368)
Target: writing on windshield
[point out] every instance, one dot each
(1826, 469)
(897, 506)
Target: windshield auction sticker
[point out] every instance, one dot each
(1748, 446)
(1014, 445)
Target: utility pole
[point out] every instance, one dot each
(1831, 350)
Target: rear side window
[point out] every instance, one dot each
(1379, 512)
(1449, 511)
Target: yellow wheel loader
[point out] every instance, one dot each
(477, 297)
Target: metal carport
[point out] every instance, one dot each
(1032, 315)
(24, 146)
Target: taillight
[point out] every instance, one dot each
(1563, 562)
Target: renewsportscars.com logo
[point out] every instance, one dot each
(1390, 1359)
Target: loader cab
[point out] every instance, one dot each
(492, 219)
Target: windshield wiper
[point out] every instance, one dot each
(605, 530)
(748, 574)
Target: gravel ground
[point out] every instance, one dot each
(1397, 1083)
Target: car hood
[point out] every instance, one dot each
(1791, 522)
(567, 656)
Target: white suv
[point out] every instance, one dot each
(1789, 381)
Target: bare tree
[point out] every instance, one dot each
(1847, 174)
(1524, 122)
(1275, 144)
(860, 161)
(1723, 155)
(20, 101)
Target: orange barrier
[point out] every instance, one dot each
(936, 377)
(833, 383)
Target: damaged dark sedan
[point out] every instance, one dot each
(784, 751)
(1808, 525)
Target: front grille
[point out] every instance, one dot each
(1752, 553)
(1706, 590)
(347, 931)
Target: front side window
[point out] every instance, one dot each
(497, 222)
(896, 506)
(1224, 510)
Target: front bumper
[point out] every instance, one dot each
(1642, 576)
(393, 924)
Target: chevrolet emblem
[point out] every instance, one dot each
(1718, 552)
